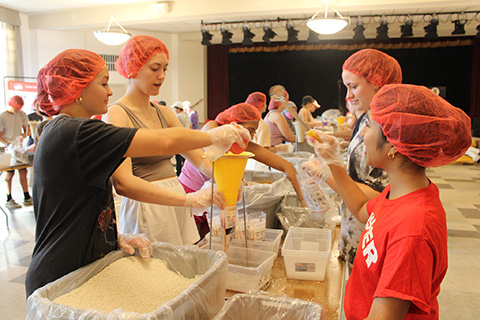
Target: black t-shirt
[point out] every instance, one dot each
(72, 193)
(34, 117)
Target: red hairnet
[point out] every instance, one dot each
(374, 66)
(421, 125)
(275, 104)
(136, 52)
(16, 102)
(63, 78)
(256, 99)
(238, 113)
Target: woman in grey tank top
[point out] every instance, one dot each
(144, 61)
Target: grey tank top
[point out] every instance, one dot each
(150, 168)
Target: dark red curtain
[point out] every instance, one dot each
(217, 77)
(475, 98)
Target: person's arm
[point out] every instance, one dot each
(2, 139)
(388, 309)
(272, 160)
(26, 131)
(177, 140)
(130, 186)
(353, 196)
(282, 125)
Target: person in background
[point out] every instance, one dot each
(187, 106)
(185, 121)
(279, 129)
(38, 133)
(288, 116)
(247, 116)
(162, 103)
(75, 158)
(145, 183)
(402, 259)
(309, 105)
(13, 129)
(364, 72)
(262, 135)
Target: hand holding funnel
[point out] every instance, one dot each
(223, 137)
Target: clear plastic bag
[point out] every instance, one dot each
(261, 305)
(202, 300)
(256, 226)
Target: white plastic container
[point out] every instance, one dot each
(306, 252)
(270, 244)
(248, 269)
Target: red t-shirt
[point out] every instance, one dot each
(402, 254)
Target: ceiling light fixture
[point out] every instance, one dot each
(247, 36)
(206, 37)
(327, 25)
(431, 28)
(226, 36)
(382, 29)
(407, 28)
(460, 24)
(313, 37)
(268, 34)
(112, 37)
(292, 33)
(359, 28)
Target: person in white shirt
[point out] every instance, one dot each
(13, 129)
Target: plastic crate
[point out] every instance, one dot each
(270, 244)
(306, 252)
(248, 269)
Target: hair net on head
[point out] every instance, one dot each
(421, 125)
(16, 102)
(63, 78)
(238, 113)
(275, 104)
(374, 66)
(136, 52)
(256, 99)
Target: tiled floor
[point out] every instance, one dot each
(460, 292)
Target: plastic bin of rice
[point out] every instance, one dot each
(201, 300)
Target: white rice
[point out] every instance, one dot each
(130, 283)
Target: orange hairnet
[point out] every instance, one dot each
(256, 99)
(136, 52)
(238, 113)
(16, 102)
(63, 78)
(421, 125)
(374, 66)
(275, 104)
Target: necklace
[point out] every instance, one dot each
(148, 115)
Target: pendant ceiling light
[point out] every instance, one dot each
(112, 37)
(327, 25)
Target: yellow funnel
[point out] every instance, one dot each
(228, 173)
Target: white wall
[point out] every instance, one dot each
(186, 73)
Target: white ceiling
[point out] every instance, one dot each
(186, 15)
